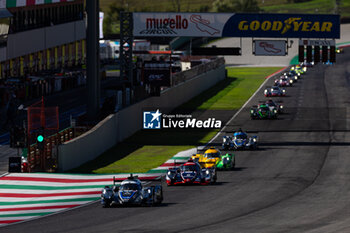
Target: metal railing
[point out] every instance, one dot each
(46, 159)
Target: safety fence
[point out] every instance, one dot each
(45, 159)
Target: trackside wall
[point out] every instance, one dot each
(121, 125)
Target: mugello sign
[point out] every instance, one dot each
(237, 25)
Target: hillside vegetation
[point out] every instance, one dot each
(113, 7)
(273, 6)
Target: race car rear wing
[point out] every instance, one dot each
(143, 177)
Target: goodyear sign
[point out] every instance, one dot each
(237, 25)
(283, 25)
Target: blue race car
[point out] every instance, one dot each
(130, 193)
(240, 140)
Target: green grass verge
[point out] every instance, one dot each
(148, 149)
(232, 93)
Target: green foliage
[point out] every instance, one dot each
(309, 7)
(236, 6)
(298, 1)
(112, 18)
(204, 8)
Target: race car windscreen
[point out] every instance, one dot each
(241, 136)
(271, 103)
(212, 155)
(133, 187)
(189, 168)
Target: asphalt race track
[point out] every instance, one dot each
(298, 181)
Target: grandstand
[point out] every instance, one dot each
(40, 35)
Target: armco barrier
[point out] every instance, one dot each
(126, 122)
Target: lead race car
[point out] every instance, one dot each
(212, 157)
(239, 140)
(191, 173)
(131, 192)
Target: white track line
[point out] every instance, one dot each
(245, 104)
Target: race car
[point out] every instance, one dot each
(339, 50)
(240, 140)
(307, 64)
(292, 76)
(274, 105)
(294, 73)
(284, 81)
(262, 111)
(328, 63)
(298, 69)
(227, 162)
(191, 173)
(131, 192)
(212, 158)
(274, 91)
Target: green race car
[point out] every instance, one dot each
(262, 111)
(227, 162)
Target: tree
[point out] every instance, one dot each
(113, 17)
(204, 8)
(176, 5)
(236, 6)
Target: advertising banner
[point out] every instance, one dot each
(270, 47)
(156, 73)
(236, 25)
(157, 77)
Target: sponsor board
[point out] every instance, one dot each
(157, 120)
(236, 25)
(270, 47)
(179, 24)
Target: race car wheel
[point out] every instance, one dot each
(153, 202)
(106, 205)
(215, 178)
(161, 196)
(233, 163)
